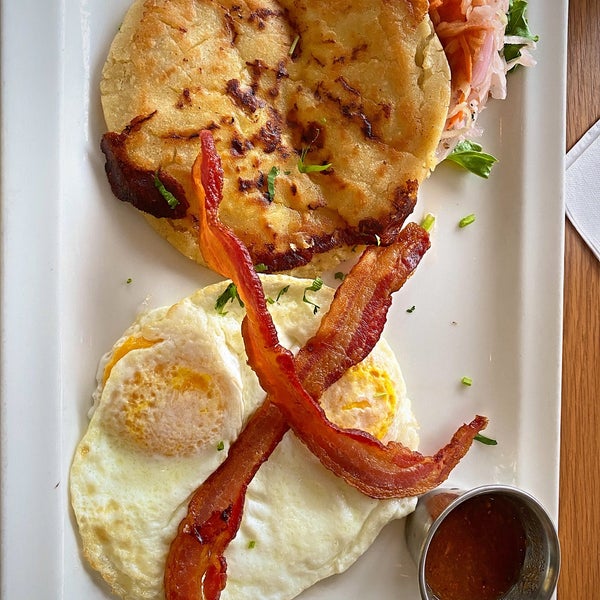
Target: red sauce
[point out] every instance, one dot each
(478, 550)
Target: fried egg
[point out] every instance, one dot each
(173, 394)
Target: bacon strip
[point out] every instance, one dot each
(195, 564)
(378, 470)
(196, 556)
(353, 325)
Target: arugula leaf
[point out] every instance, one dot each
(517, 26)
(470, 156)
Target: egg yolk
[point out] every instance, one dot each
(131, 343)
(162, 407)
(365, 398)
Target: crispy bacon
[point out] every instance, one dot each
(196, 560)
(351, 328)
(363, 461)
(196, 557)
(378, 470)
(196, 567)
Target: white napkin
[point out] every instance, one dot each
(582, 187)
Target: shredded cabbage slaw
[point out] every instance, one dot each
(473, 34)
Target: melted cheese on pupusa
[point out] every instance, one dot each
(173, 394)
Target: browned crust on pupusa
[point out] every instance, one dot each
(365, 90)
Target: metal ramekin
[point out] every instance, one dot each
(539, 574)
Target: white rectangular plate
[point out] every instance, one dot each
(488, 298)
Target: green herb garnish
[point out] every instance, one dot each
(251, 544)
(128, 280)
(293, 46)
(517, 26)
(221, 446)
(271, 182)
(339, 275)
(164, 192)
(411, 309)
(229, 295)
(316, 285)
(466, 220)
(261, 268)
(304, 168)
(282, 291)
(485, 440)
(466, 381)
(427, 222)
(470, 156)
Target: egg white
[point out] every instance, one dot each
(173, 394)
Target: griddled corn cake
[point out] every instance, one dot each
(326, 116)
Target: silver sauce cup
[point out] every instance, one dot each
(539, 573)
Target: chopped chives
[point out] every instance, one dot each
(271, 182)
(427, 222)
(485, 440)
(466, 220)
(282, 291)
(293, 46)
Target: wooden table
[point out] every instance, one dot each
(579, 518)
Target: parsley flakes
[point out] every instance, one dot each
(164, 192)
(271, 182)
(315, 286)
(229, 295)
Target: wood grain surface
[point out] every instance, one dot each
(579, 516)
